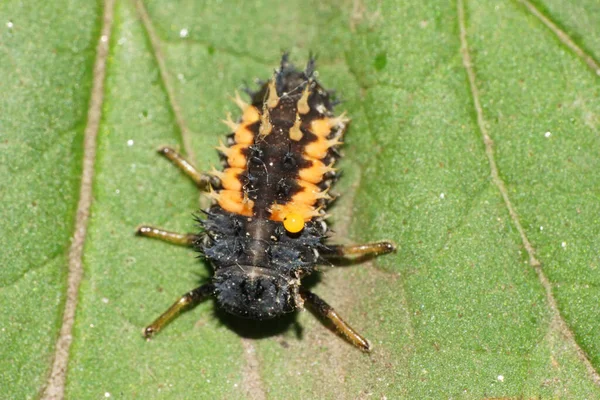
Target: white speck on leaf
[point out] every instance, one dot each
(184, 33)
(564, 245)
(442, 196)
(547, 134)
(105, 300)
(541, 228)
(500, 378)
(9, 25)
(106, 394)
(130, 142)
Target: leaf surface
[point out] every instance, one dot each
(493, 291)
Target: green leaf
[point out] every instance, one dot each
(493, 291)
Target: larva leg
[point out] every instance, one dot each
(358, 250)
(202, 180)
(325, 311)
(189, 299)
(181, 239)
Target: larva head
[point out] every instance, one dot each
(254, 292)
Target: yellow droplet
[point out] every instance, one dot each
(293, 222)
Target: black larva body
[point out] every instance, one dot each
(257, 264)
(265, 229)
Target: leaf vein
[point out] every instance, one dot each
(55, 386)
(563, 37)
(557, 321)
(155, 43)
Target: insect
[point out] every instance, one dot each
(265, 230)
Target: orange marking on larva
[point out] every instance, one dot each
(233, 201)
(212, 194)
(314, 173)
(339, 121)
(324, 194)
(215, 172)
(232, 125)
(273, 98)
(230, 179)
(295, 132)
(308, 195)
(234, 154)
(265, 123)
(321, 127)
(240, 103)
(302, 105)
(318, 149)
(250, 116)
(280, 211)
(243, 135)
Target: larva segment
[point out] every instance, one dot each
(295, 131)
(302, 105)
(230, 178)
(265, 123)
(320, 147)
(250, 116)
(273, 98)
(233, 201)
(280, 211)
(314, 173)
(240, 103)
(243, 135)
(322, 127)
(234, 154)
(290, 115)
(309, 194)
(230, 124)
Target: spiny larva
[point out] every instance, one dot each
(265, 230)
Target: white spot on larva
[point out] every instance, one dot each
(564, 245)
(184, 33)
(547, 134)
(541, 228)
(500, 378)
(442, 196)
(130, 142)
(9, 25)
